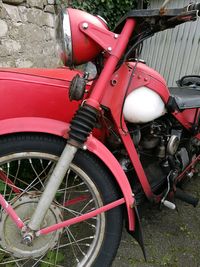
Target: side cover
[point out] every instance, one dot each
(35, 96)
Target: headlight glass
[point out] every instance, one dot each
(64, 37)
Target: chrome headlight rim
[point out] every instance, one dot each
(64, 37)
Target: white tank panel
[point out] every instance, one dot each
(143, 105)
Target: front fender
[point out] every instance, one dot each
(59, 128)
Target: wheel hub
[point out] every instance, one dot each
(11, 237)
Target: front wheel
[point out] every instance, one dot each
(26, 163)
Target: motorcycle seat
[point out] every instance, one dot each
(185, 97)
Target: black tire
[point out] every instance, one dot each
(94, 175)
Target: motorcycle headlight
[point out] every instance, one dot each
(76, 47)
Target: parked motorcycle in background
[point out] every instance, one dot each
(79, 156)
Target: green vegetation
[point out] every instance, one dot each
(110, 10)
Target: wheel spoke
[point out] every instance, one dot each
(72, 245)
(12, 261)
(67, 181)
(46, 262)
(57, 251)
(25, 263)
(17, 263)
(17, 171)
(89, 202)
(77, 241)
(71, 187)
(37, 175)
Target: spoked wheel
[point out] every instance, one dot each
(26, 163)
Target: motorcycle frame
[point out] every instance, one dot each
(119, 87)
(117, 43)
(95, 99)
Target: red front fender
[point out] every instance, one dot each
(59, 128)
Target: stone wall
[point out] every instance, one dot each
(27, 35)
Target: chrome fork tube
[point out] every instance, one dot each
(81, 126)
(52, 186)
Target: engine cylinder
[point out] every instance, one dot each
(172, 145)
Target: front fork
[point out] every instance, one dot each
(81, 126)
(52, 186)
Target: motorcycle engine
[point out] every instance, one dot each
(162, 146)
(160, 140)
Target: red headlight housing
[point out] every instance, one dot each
(75, 47)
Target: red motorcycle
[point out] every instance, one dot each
(79, 155)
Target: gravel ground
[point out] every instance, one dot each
(171, 238)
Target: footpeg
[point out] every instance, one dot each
(179, 194)
(168, 204)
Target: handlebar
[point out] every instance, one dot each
(158, 20)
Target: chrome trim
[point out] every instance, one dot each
(100, 17)
(64, 37)
(67, 37)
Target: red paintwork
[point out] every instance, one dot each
(144, 76)
(81, 218)
(75, 200)
(84, 49)
(189, 168)
(33, 124)
(150, 78)
(198, 136)
(29, 93)
(103, 81)
(11, 212)
(102, 36)
(61, 73)
(7, 181)
(187, 117)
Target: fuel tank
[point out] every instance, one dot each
(140, 90)
(143, 105)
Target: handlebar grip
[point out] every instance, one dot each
(193, 7)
